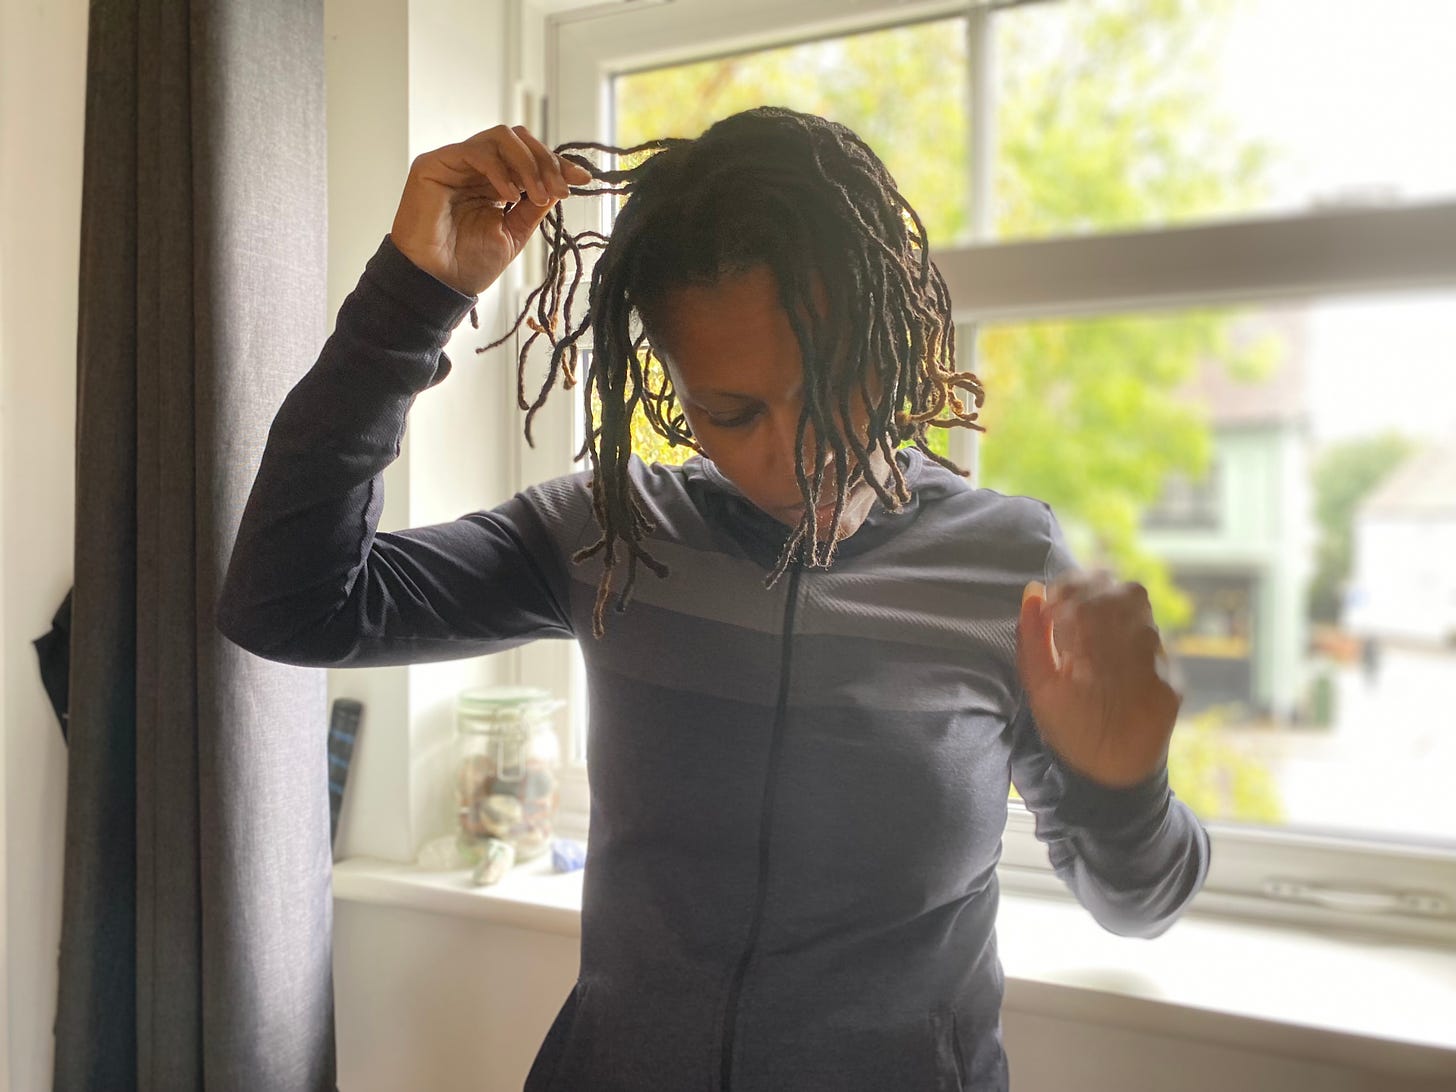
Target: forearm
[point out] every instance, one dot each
(311, 516)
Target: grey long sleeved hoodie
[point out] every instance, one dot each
(797, 793)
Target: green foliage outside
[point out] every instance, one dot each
(920, 134)
(1343, 477)
(1104, 124)
(903, 91)
(1215, 779)
(1098, 130)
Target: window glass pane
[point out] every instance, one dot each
(1134, 113)
(903, 91)
(1283, 480)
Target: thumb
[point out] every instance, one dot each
(524, 217)
(1036, 659)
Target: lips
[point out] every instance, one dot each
(827, 508)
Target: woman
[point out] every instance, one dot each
(804, 730)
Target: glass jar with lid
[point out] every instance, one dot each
(508, 764)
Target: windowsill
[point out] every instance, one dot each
(1366, 1004)
(532, 896)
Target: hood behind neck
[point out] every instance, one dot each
(762, 536)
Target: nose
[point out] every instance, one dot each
(781, 452)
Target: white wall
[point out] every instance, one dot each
(42, 110)
(1052, 1055)
(480, 999)
(481, 996)
(406, 76)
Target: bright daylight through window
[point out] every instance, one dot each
(1281, 474)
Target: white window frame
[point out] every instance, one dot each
(570, 51)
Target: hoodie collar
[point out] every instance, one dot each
(758, 534)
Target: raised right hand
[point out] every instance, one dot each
(452, 221)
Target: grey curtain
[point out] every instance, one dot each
(195, 950)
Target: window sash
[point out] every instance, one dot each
(1257, 261)
(1270, 874)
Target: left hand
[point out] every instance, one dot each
(1096, 674)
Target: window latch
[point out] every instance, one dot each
(1364, 900)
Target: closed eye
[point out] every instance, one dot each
(732, 422)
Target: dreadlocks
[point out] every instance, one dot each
(768, 186)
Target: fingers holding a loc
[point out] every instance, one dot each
(517, 163)
(469, 208)
(574, 169)
(550, 170)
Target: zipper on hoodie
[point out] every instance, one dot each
(730, 1013)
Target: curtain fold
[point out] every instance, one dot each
(195, 946)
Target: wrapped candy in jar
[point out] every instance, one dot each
(508, 766)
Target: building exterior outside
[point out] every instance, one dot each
(1403, 585)
(1240, 542)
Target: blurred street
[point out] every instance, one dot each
(1388, 763)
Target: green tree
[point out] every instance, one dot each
(1344, 476)
(903, 91)
(1217, 780)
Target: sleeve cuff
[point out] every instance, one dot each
(1088, 804)
(433, 302)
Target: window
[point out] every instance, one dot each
(1203, 110)
(1315, 675)
(1202, 286)
(891, 86)
(1187, 502)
